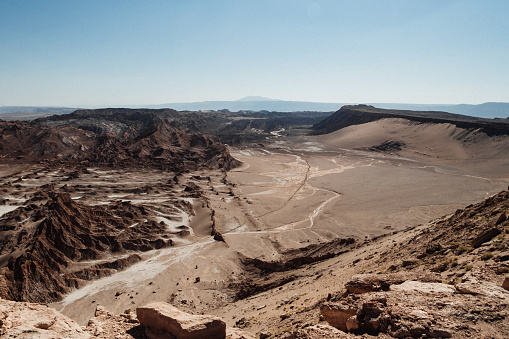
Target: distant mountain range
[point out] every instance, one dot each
(255, 103)
(485, 110)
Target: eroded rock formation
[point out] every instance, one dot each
(42, 245)
(126, 139)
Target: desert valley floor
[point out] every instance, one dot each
(291, 196)
(286, 195)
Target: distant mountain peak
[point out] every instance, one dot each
(257, 98)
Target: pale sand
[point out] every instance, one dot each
(442, 144)
(298, 197)
(6, 209)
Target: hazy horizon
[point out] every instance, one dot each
(244, 99)
(134, 53)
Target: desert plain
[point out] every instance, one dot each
(353, 189)
(285, 195)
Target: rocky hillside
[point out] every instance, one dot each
(450, 280)
(140, 139)
(361, 114)
(225, 126)
(477, 236)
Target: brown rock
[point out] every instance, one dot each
(502, 268)
(433, 247)
(505, 284)
(161, 318)
(485, 236)
(502, 256)
(102, 311)
(501, 218)
(352, 324)
(440, 267)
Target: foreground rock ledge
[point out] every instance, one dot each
(28, 320)
(381, 304)
(161, 318)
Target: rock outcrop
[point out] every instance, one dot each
(124, 138)
(39, 245)
(362, 283)
(416, 308)
(105, 325)
(319, 331)
(161, 319)
(28, 320)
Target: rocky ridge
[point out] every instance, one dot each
(125, 139)
(42, 245)
(448, 281)
(416, 308)
(360, 114)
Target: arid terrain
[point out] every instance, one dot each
(122, 208)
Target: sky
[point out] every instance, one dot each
(127, 52)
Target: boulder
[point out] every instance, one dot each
(160, 319)
(505, 284)
(471, 285)
(373, 315)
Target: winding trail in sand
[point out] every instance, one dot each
(303, 183)
(312, 215)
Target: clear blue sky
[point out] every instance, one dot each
(125, 52)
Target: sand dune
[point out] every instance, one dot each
(442, 143)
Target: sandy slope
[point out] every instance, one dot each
(443, 144)
(304, 192)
